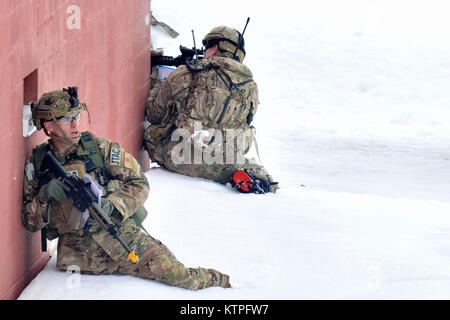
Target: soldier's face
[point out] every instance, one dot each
(69, 125)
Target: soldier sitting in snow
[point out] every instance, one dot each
(123, 188)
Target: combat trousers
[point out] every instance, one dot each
(156, 261)
(161, 153)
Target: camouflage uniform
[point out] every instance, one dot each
(84, 243)
(221, 98)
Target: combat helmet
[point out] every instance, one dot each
(56, 104)
(228, 40)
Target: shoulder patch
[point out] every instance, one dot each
(116, 157)
(128, 161)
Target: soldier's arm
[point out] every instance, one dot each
(134, 187)
(153, 111)
(161, 97)
(34, 214)
(156, 106)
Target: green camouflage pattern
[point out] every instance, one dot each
(53, 105)
(90, 247)
(192, 101)
(156, 261)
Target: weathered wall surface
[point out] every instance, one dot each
(100, 46)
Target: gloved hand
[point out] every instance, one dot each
(55, 189)
(107, 206)
(109, 209)
(246, 183)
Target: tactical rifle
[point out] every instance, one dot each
(83, 198)
(184, 58)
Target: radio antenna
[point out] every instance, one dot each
(195, 47)
(240, 39)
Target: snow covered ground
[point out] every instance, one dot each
(353, 123)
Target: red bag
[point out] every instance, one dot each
(246, 183)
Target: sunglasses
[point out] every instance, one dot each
(70, 119)
(208, 44)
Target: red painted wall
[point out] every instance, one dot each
(108, 58)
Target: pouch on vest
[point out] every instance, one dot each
(111, 246)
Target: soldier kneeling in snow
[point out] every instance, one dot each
(200, 117)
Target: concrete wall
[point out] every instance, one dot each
(100, 46)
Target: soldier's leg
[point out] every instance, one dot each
(152, 144)
(83, 255)
(157, 262)
(221, 173)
